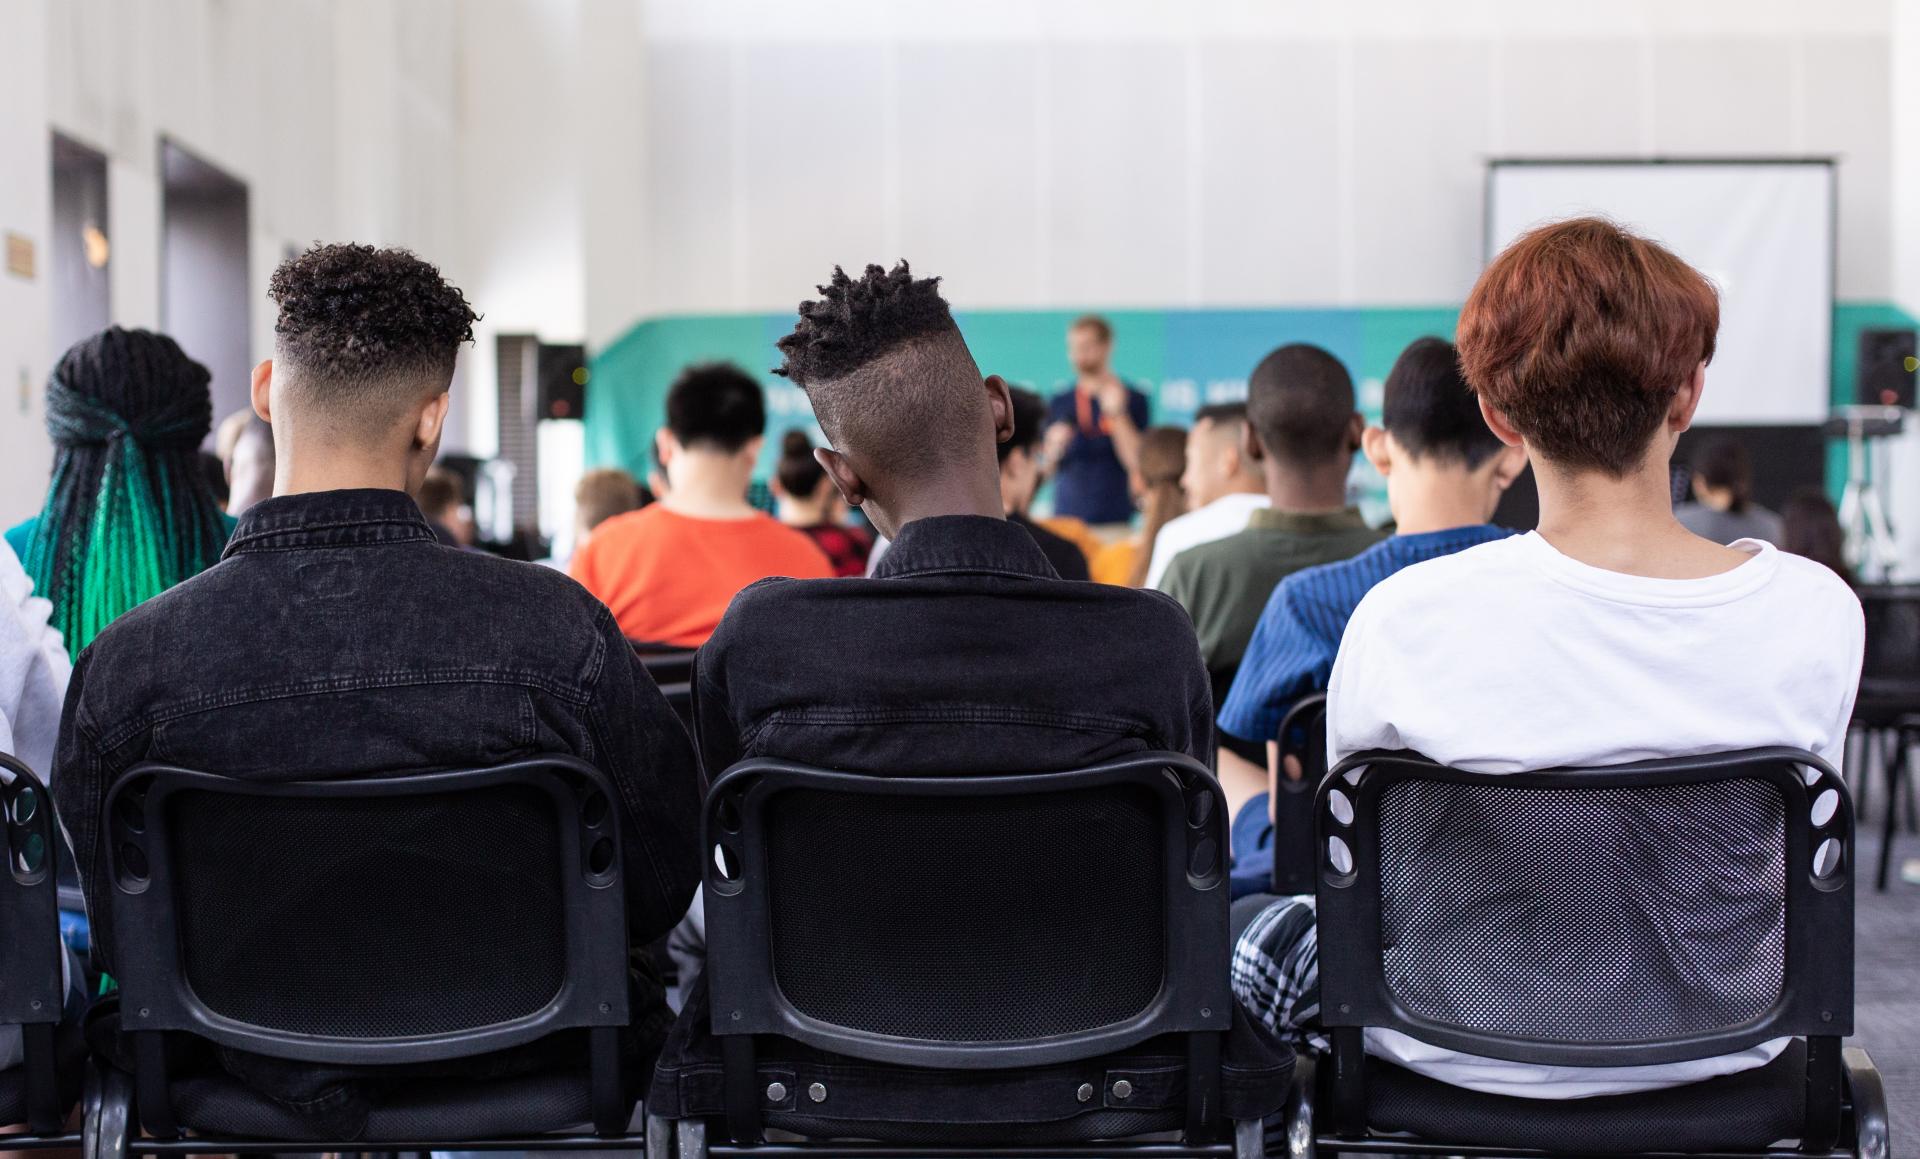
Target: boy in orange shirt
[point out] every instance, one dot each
(668, 571)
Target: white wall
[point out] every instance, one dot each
(24, 356)
(1217, 153)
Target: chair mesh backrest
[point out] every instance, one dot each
(1588, 916)
(370, 917)
(968, 919)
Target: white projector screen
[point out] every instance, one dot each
(1762, 231)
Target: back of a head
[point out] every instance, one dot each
(1810, 527)
(890, 379)
(129, 512)
(1724, 465)
(1429, 410)
(365, 336)
(716, 406)
(798, 473)
(440, 495)
(1300, 404)
(1029, 422)
(1581, 333)
(604, 493)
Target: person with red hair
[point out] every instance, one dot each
(1610, 634)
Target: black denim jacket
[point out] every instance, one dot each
(337, 639)
(965, 653)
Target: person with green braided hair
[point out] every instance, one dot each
(128, 513)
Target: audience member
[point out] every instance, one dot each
(1445, 472)
(1093, 431)
(1810, 527)
(1302, 430)
(443, 501)
(129, 513)
(1723, 509)
(1223, 484)
(669, 570)
(388, 651)
(248, 461)
(1020, 478)
(1157, 491)
(1610, 634)
(807, 501)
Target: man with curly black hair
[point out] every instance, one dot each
(337, 639)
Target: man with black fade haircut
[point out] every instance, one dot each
(965, 652)
(337, 640)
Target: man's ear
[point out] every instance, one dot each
(1686, 400)
(1250, 448)
(433, 419)
(263, 390)
(1378, 449)
(665, 447)
(1356, 430)
(1000, 403)
(1498, 424)
(846, 480)
(1507, 466)
(751, 450)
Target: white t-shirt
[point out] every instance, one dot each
(1224, 516)
(1510, 656)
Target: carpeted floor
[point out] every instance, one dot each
(1886, 1017)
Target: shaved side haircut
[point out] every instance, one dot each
(365, 334)
(890, 379)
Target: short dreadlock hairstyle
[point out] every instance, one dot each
(359, 325)
(885, 367)
(128, 513)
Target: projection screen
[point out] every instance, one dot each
(1762, 231)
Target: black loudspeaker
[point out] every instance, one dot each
(1885, 373)
(561, 372)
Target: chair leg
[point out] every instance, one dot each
(1890, 812)
(1249, 1139)
(1299, 1113)
(692, 1141)
(659, 1141)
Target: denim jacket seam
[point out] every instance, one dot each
(961, 569)
(412, 527)
(171, 712)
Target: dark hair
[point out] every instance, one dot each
(1221, 414)
(1163, 460)
(1029, 421)
(129, 512)
(1095, 323)
(215, 473)
(604, 493)
(354, 319)
(1581, 333)
(1810, 527)
(441, 493)
(716, 405)
(1723, 464)
(886, 370)
(1429, 410)
(799, 472)
(1300, 404)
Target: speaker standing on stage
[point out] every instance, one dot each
(1093, 431)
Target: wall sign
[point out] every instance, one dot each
(20, 256)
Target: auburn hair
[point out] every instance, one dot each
(1581, 333)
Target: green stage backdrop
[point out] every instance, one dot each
(1184, 359)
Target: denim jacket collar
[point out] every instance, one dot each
(329, 519)
(945, 544)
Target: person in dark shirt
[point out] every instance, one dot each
(965, 653)
(1020, 478)
(336, 640)
(1094, 430)
(806, 500)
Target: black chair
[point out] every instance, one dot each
(666, 666)
(1648, 913)
(37, 1093)
(1887, 711)
(1303, 735)
(1011, 965)
(416, 920)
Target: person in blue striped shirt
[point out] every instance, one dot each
(1445, 472)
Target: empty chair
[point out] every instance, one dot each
(1664, 912)
(37, 1092)
(455, 923)
(987, 962)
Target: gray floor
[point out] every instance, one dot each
(1887, 985)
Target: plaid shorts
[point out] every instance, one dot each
(1276, 970)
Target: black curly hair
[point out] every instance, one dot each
(885, 367)
(354, 320)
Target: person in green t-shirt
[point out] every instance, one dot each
(1302, 430)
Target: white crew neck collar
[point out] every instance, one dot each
(1738, 581)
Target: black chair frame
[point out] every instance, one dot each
(31, 994)
(1303, 734)
(157, 998)
(1816, 999)
(1194, 999)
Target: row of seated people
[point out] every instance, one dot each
(337, 638)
